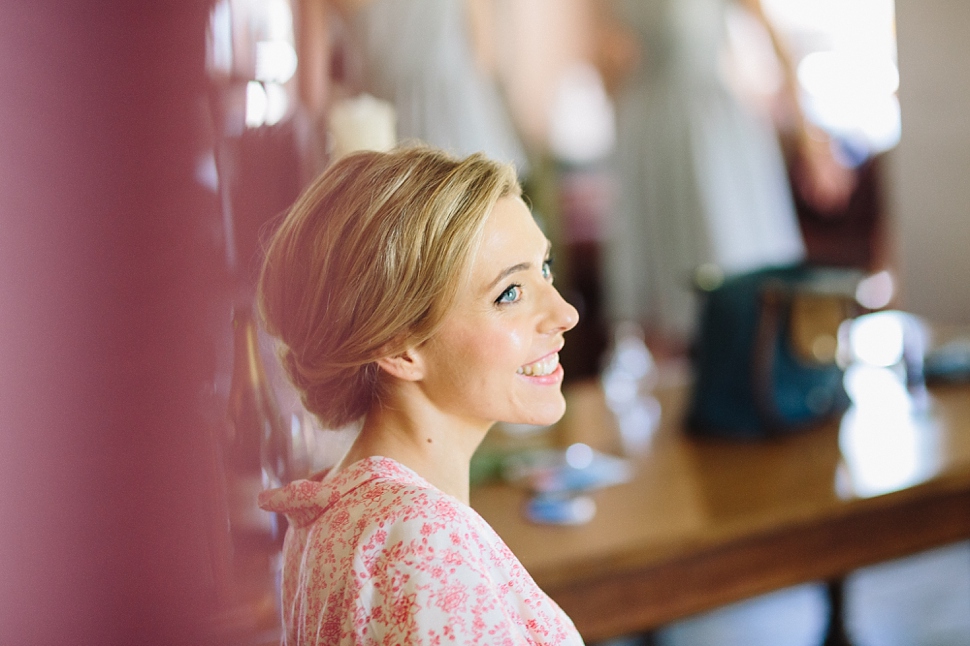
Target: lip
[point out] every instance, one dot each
(552, 378)
(548, 354)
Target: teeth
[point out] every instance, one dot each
(540, 368)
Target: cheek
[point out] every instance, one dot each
(486, 346)
(502, 346)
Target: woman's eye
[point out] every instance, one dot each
(510, 295)
(547, 270)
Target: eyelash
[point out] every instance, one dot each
(547, 273)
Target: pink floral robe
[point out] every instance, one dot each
(377, 555)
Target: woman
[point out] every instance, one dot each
(413, 291)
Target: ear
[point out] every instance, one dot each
(406, 365)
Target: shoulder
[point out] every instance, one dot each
(392, 505)
(436, 571)
(408, 512)
(394, 493)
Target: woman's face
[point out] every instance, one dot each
(496, 356)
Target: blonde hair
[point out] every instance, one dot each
(367, 262)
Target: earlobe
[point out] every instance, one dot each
(405, 365)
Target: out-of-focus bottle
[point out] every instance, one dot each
(259, 454)
(628, 377)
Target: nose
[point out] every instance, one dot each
(560, 315)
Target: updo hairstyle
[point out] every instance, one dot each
(367, 262)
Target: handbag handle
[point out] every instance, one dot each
(773, 297)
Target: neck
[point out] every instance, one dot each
(436, 446)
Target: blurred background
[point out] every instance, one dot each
(145, 148)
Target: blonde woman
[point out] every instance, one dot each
(412, 291)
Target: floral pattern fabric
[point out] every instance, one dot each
(375, 555)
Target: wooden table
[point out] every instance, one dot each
(703, 522)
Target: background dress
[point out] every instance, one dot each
(418, 55)
(702, 180)
(377, 555)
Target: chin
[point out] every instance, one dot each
(546, 414)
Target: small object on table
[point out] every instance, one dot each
(559, 478)
(560, 509)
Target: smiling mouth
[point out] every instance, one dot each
(541, 367)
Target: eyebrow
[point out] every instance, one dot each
(522, 266)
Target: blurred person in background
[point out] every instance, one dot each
(702, 176)
(432, 60)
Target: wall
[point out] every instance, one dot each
(929, 178)
(108, 269)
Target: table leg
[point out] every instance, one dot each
(836, 634)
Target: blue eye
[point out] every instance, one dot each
(547, 269)
(511, 294)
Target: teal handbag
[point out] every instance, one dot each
(764, 357)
